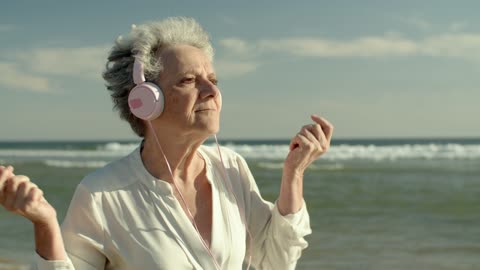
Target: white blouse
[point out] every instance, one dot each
(121, 217)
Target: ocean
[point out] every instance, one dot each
(374, 204)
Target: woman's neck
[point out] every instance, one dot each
(181, 153)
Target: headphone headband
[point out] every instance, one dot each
(138, 71)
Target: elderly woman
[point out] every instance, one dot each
(172, 203)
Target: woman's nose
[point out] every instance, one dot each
(209, 89)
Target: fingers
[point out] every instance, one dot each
(5, 173)
(24, 196)
(300, 140)
(293, 143)
(15, 186)
(311, 142)
(306, 140)
(326, 126)
(306, 131)
(297, 140)
(20, 196)
(319, 136)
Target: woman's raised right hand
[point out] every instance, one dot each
(20, 196)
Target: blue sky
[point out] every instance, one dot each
(373, 68)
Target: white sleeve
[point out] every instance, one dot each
(42, 264)
(82, 233)
(278, 240)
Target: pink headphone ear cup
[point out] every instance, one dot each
(146, 101)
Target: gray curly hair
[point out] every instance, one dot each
(145, 41)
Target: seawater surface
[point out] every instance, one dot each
(374, 204)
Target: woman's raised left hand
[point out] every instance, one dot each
(311, 142)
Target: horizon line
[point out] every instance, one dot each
(247, 139)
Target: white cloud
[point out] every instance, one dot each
(82, 62)
(11, 76)
(235, 45)
(38, 69)
(42, 66)
(362, 47)
(452, 45)
(230, 69)
(456, 45)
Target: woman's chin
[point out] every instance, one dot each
(213, 129)
(207, 129)
(210, 126)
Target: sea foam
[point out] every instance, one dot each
(368, 152)
(273, 154)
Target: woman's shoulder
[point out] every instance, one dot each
(115, 175)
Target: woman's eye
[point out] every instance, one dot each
(214, 81)
(187, 80)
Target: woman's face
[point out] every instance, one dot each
(192, 99)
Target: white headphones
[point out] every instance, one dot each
(146, 100)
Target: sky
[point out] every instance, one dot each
(375, 69)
